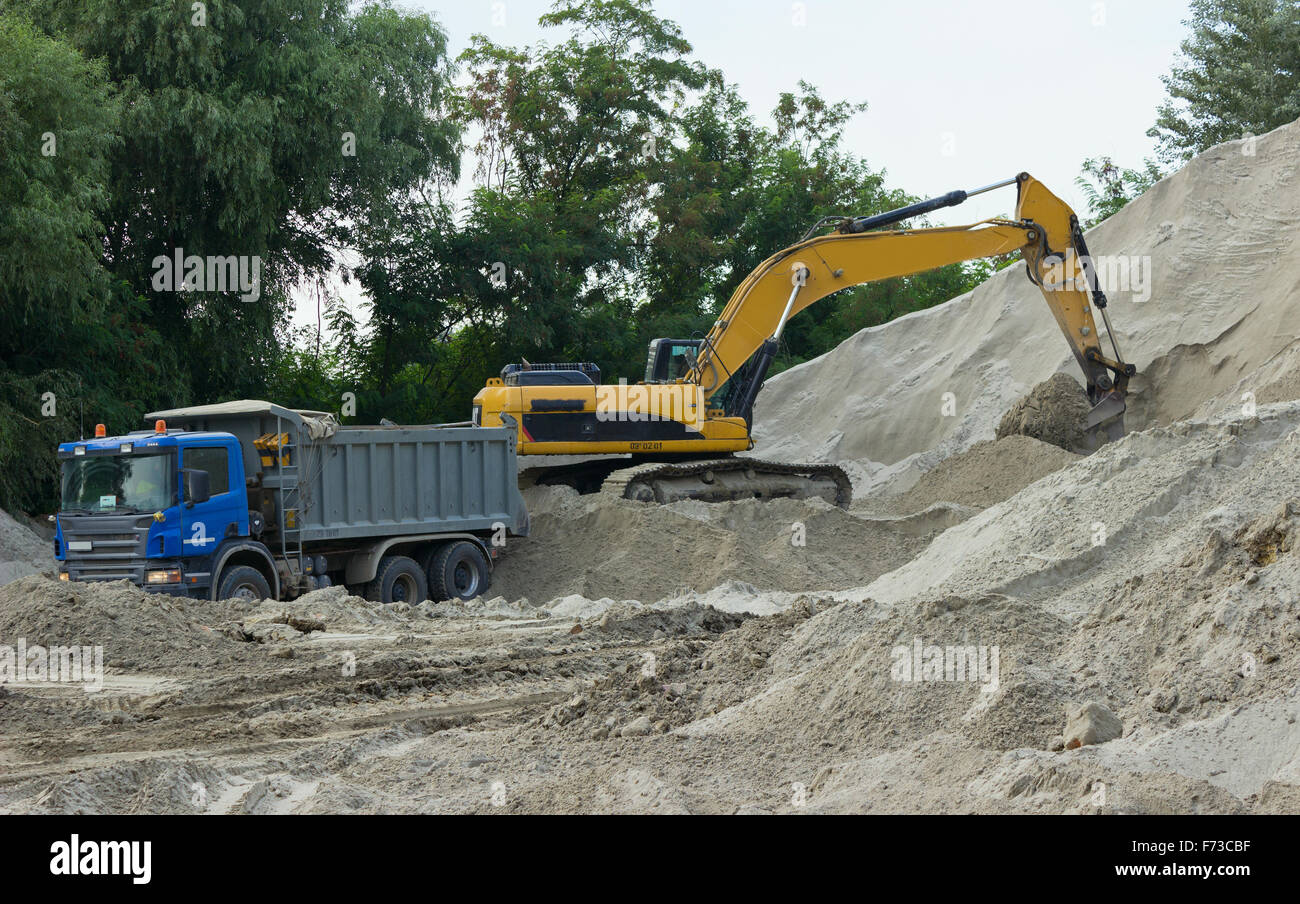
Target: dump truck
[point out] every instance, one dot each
(254, 500)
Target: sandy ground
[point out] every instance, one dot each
(997, 624)
(1156, 577)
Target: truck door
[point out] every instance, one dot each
(205, 524)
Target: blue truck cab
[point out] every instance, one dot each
(154, 507)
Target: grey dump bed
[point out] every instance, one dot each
(341, 482)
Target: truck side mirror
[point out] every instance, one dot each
(196, 486)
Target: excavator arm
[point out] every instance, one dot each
(1045, 231)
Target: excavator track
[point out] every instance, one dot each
(727, 479)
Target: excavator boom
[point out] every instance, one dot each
(1045, 231)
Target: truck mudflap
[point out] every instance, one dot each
(728, 479)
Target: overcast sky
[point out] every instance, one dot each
(961, 93)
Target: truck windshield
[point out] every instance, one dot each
(119, 483)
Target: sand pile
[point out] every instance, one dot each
(1158, 578)
(597, 546)
(138, 630)
(1055, 411)
(22, 552)
(1221, 320)
(333, 607)
(985, 474)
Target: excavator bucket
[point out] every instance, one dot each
(1105, 421)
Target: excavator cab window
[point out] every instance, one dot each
(670, 359)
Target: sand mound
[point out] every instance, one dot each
(1221, 321)
(597, 546)
(1158, 577)
(1055, 411)
(22, 552)
(137, 630)
(333, 607)
(985, 474)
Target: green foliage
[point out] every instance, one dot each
(223, 132)
(58, 119)
(277, 129)
(1108, 188)
(737, 192)
(622, 191)
(100, 362)
(1239, 74)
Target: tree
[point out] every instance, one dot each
(58, 125)
(1108, 188)
(279, 130)
(1239, 74)
(540, 261)
(73, 340)
(735, 192)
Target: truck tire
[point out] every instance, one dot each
(243, 582)
(398, 580)
(458, 571)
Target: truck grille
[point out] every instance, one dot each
(117, 546)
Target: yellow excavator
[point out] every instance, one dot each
(683, 424)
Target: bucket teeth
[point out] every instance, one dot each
(1106, 420)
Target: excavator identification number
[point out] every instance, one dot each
(645, 447)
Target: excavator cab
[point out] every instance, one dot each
(670, 360)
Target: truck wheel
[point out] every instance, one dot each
(243, 582)
(458, 571)
(398, 580)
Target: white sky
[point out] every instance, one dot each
(961, 93)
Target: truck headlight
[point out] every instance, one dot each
(164, 576)
(63, 576)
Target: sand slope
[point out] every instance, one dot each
(22, 552)
(1222, 319)
(1184, 621)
